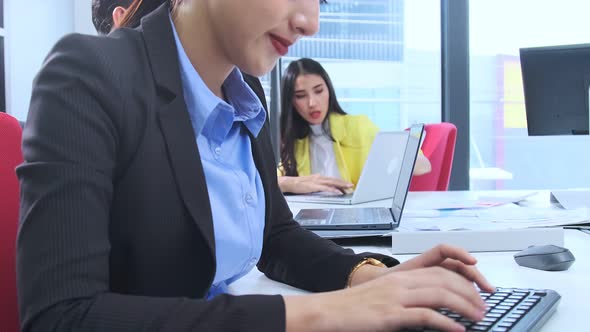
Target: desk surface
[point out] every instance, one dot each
(498, 267)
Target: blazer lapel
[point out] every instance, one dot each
(184, 157)
(175, 123)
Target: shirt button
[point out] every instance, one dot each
(218, 151)
(249, 198)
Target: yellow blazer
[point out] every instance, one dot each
(353, 136)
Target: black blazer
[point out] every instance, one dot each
(116, 231)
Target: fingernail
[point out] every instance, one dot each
(481, 315)
(483, 304)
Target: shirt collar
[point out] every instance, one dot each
(201, 101)
(317, 130)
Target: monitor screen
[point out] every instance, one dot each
(556, 81)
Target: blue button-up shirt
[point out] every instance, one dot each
(233, 182)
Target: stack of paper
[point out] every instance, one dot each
(498, 218)
(572, 199)
(503, 228)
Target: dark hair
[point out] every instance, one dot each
(102, 13)
(293, 126)
(140, 8)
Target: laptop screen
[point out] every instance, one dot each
(407, 168)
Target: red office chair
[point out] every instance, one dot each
(439, 148)
(10, 157)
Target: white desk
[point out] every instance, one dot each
(498, 267)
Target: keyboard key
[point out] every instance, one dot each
(492, 314)
(466, 324)
(503, 307)
(500, 329)
(498, 311)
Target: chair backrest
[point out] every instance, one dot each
(439, 148)
(10, 157)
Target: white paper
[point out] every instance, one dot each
(572, 199)
(508, 216)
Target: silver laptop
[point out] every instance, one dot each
(378, 177)
(370, 218)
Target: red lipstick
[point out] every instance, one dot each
(281, 45)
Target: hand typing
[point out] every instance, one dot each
(313, 183)
(403, 296)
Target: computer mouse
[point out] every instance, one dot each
(546, 258)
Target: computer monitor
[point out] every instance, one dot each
(556, 81)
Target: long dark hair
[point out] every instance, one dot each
(293, 126)
(140, 8)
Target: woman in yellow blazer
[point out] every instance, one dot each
(322, 147)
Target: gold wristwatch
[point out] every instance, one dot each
(368, 260)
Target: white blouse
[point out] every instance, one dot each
(321, 152)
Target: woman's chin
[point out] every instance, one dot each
(314, 121)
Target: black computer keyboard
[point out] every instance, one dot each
(510, 309)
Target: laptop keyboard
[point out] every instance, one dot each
(510, 309)
(362, 215)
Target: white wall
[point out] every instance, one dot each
(83, 17)
(32, 28)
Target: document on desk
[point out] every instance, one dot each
(525, 217)
(481, 202)
(572, 199)
(508, 216)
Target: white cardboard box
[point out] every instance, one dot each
(414, 242)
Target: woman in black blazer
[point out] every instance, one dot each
(116, 225)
